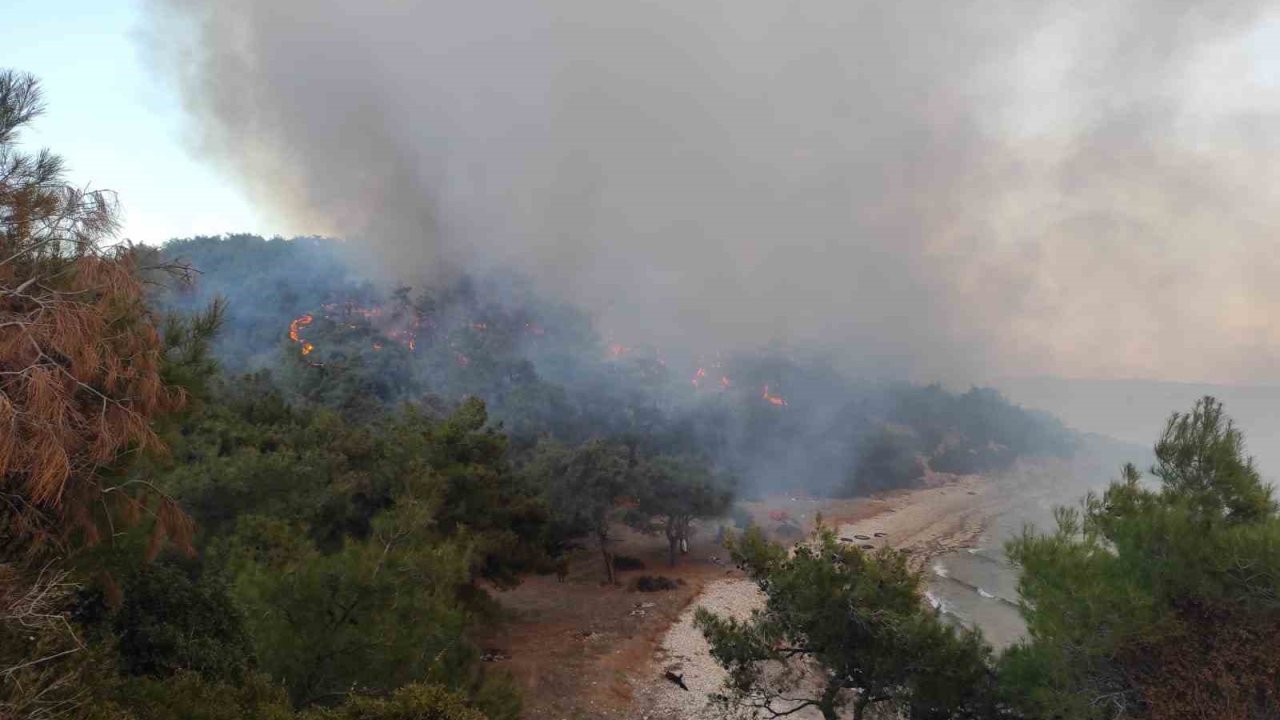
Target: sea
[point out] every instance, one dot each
(978, 586)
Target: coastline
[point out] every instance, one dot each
(948, 515)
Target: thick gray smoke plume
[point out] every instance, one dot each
(952, 190)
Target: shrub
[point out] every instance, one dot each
(411, 702)
(188, 696)
(888, 459)
(169, 623)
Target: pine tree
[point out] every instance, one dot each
(1157, 600)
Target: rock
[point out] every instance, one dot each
(677, 679)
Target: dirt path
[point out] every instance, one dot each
(578, 648)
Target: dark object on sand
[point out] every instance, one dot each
(677, 679)
(868, 546)
(655, 583)
(845, 539)
(881, 534)
(862, 537)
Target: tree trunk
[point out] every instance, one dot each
(859, 707)
(673, 539)
(828, 702)
(608, 557)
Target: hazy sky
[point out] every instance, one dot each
(115, 124)
(966, 190)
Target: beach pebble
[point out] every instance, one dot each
(686, 651)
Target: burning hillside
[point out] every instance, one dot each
(542, 369)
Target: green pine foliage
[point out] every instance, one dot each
(673, 491)
(846, 633)
(411, 702)
(1157, 599)
(167, 620)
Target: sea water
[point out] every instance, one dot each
(978, 586)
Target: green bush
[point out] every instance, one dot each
(889, 459)
(411, 702)
(1157, 602)
(170, 622)
(188, 696)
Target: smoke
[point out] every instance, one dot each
(956, 190)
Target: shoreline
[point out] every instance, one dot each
(948, 515)
(930, 521)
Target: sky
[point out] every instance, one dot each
(116, 125)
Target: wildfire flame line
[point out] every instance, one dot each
(773, 399)
(295, 328)
(400, 330)
(406, 335)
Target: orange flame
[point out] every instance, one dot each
(724, 382)
(617, 350)
(698, 376)
(773, 399)
(347, 314)
(297, 325)
(295, 328)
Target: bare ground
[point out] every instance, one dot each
(582, 649)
